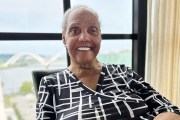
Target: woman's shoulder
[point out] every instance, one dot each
(122, 67)
(118, 69)
(53, 77)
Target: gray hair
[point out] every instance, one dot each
(66, 14)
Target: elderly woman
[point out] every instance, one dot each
(91, 90)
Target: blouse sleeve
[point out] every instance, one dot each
(156, 102)
(44, 105)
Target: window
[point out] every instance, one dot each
(35, 16)
(17, 61)
(120, 53)
(113, 17)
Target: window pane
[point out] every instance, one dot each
(116, 52)
(17, 61)
(116, 15)
(31, 15)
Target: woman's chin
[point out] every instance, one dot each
(85, 62)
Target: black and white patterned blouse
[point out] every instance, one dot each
(121, 94)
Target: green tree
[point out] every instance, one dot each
(26, 87)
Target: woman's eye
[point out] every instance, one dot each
(74, 31)
(93, 31)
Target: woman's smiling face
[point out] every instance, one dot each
(82, 36)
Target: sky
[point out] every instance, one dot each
(45, 16)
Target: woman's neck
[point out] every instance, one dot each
(80, 70)
(88, 74)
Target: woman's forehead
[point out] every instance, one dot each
(82, 15)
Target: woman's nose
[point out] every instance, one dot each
(84, 36)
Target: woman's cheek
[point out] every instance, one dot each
(71, 48)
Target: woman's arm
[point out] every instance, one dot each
(157, 103)
(167, 116)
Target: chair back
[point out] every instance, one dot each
(38, 74)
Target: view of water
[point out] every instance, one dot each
(13, 78)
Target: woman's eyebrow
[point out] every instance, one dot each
(74, 24)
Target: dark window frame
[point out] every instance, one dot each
(138, 35)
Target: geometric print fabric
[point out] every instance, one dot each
(121, 94)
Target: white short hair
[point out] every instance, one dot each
(66, 14)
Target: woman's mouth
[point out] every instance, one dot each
(84, 48)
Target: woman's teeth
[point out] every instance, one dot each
(84, 48)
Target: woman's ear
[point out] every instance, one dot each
(63, 38)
